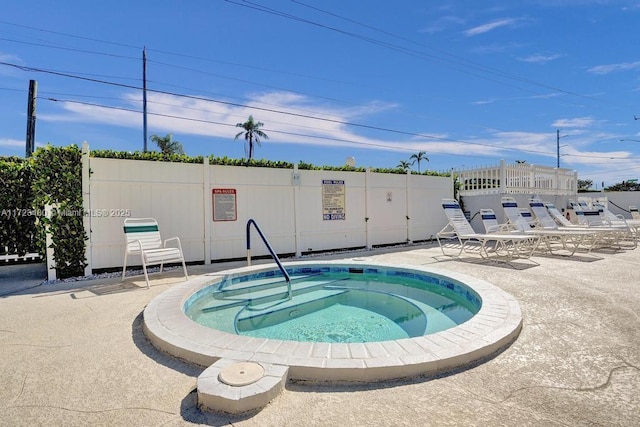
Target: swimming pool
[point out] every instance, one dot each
(493, 327)
(334, 304)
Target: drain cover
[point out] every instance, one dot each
(241, 373)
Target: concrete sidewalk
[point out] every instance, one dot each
(19, 277)
(74, 354)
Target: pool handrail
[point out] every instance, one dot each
(271, 251)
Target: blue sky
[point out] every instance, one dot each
(467, 82)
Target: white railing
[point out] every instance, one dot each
(518, 178)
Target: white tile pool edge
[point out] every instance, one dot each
(493, 328)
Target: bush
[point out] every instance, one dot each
(17, 219)
(58, 181)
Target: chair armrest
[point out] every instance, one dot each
(495, 229)
(139, 242)
(507, 226)
(171, 239)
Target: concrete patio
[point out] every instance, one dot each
(75, 354)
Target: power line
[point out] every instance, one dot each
(49, 46)
(458, 61)
(234, 104)
(418, 54)
(392, 147)
(241, 80)
(229, 125)
(69, 35)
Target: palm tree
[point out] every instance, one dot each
(418, 158)
(252, 133)
(404, 165)
(167, 145)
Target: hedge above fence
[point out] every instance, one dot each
(227, 161)
(17, 216)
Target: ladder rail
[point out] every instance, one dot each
(271, 251)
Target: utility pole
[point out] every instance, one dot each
(31, 118)
(558, 146)
(144, 98)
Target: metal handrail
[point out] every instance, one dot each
(270, 249)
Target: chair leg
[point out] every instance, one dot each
(144, 268)
(184, 267)
(124, 266)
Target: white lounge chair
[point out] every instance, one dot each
(631, 226)
(634, 212)
(509, 245)
(593, 220)
(142, 237)
(491, 224)
(514, 215)
(590, 238)
(557, 215)
(568, 239)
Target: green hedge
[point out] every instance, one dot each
(227, 161)
(17, 216)
(58, 182)
(53, 176)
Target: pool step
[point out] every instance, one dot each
(297, 301)
(229, 289)
(263, 295)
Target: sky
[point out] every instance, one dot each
(468, 83)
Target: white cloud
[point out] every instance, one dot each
(610, 68)
(485, 28)
(7, 57)
(578, 122)
(12, 143)
(302, 126)
(288, 118)
(538, 58)
(12, 59)
(442, 24)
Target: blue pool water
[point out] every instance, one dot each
(334, 304)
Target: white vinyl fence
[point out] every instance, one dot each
(299, 211)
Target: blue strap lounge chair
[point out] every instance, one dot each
(551, 236)
(508, 245)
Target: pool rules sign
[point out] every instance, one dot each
(333, 199)
(225, 206)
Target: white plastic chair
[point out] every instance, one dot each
(142, 237)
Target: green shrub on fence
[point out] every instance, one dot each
(57, 181)
(228, 161)
(17, 217)
(149, 155)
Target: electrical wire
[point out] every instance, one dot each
(392, 147)
(406, 133)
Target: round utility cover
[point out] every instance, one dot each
(241, 373)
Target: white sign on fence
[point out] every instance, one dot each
(333, 199)
(225, 206)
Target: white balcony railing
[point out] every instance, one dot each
(518, 178)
